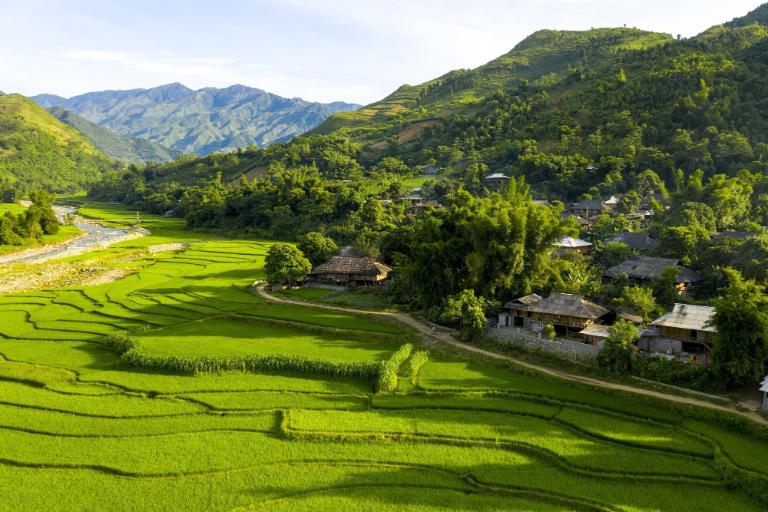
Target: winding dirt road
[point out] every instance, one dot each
(446, 337)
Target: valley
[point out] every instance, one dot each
(477, 434)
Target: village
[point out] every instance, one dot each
(569, 325)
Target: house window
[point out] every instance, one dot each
(694, 334)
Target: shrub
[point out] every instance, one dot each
(618, 354)
(122, 342)
(387, 378)
(418, 360)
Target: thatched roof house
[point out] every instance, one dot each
(562, 310)
(648, 268)
(346, 270)
(641, 241)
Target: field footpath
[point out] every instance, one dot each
(449, 339)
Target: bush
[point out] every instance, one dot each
(418, 360)
(122, 343)
(618, 355)
(387, 378)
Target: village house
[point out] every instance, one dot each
(592, 207)
(764, 391)
(581, 221)
(571, 245)
(496, 180)
(346, 271)
(686, 329)
(640, 241)
(568, 313)
(646, 269)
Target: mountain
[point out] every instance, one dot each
(759, 15)
(38, 149)
(542, 60)
(119, 147)
(202, 121)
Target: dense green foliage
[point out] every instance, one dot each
(741, 344)
(317, 247)
(38, 150)
(618, 354)
(285, 264)
(32, 224)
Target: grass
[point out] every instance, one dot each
(80, 430)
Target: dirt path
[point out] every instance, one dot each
(448, 339)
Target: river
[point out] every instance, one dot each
(95, 236)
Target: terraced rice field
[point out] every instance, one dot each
(82, 430)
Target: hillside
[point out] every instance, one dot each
(543, 59)
(38, 149)
(203, 121)
(120, 147)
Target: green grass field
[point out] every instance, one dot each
(82, 430)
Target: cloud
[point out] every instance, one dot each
(93, 56)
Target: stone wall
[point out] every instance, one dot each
(567, 349)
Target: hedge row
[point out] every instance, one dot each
(387, 376)
(254, 363)
(418, 360)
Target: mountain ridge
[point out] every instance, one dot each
(117, 146)
(198, 121)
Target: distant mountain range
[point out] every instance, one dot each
(118, 146)
(203, 121)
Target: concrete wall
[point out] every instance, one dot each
(567, 349)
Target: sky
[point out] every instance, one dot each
(320, 50)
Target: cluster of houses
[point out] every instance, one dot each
(685, 330)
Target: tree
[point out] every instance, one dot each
(618, 354)
(467, 312)
(640, 298)
(611, 254)
(741, 343)
(317, 247)
(665, 288)
(286, 264)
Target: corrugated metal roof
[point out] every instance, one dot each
(573, 243)
(597, 330)
(688, 316)
(497, 176)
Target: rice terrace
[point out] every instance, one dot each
(176, 387)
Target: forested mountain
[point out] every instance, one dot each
(120, 147)
(36, 149)
(542, 59)
(202, 121)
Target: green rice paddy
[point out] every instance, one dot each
(81, 430)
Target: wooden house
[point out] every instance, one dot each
(571, 245)
(646, 269)
(589, 208)
(496, 180)
(345, 271)
(686, 328)
(640, 241)
(566, 312)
